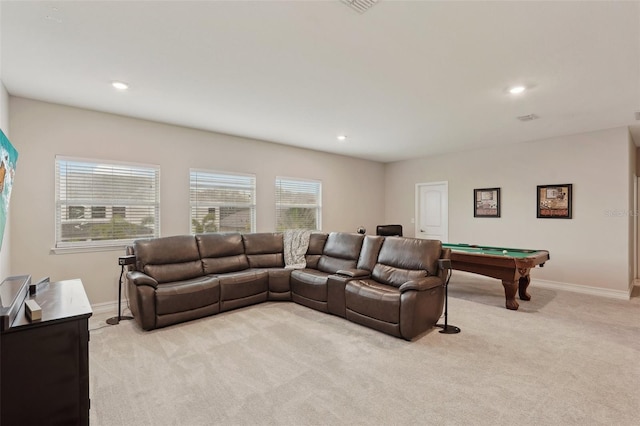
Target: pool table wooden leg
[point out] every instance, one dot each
(522, 286)
(510, 289)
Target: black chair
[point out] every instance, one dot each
(389, 230)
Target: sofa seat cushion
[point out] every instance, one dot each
(374, 300)
(310, 283)
(279, 279)
(185, 295)
(238, 285)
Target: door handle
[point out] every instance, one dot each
(422, 230)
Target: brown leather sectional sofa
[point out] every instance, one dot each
(391, 284)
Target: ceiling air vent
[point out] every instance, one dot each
(637, 115)
(360, 6)
(528, 117)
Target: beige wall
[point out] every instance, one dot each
(592, 249)
(41, 130)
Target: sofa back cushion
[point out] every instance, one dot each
(369, 253)
(264, 250)
(222, 252)
(168, 258)
(317, 240)
(341, 251)
(404, 259)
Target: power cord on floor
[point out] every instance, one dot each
(98, 328)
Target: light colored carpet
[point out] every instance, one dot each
(563, 358)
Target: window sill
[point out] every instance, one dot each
(88, 249)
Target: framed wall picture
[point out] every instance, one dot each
(486, 202)
(554, 201)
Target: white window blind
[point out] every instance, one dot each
(222, 202)
(104, 204)
(298, 204)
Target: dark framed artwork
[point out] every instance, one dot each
(554, 201)
(486, 202)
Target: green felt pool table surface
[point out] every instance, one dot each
(496, 251)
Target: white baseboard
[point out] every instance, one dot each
(594, 291)
(108, 307)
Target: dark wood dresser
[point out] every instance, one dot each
(44, 365)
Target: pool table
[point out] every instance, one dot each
(510, 265)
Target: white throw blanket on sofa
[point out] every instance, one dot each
(296, 242)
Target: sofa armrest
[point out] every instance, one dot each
(354, 273)
(139, 278)
(422, 284)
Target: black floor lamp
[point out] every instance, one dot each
(122, 261)
(445, 264)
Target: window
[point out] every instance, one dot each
(94, 197)
(222, 202)
(298, 204)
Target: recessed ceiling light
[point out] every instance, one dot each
(120, 85)
(517, 89)
(342, 137)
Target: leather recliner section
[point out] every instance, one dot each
(404, 296)
(336, 284)
(309, 286)
(167, 284)
(266, 251)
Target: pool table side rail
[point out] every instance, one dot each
(462, 247)
(500, 261)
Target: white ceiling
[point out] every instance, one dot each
(404, 79)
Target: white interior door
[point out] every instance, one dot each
(432, 211)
